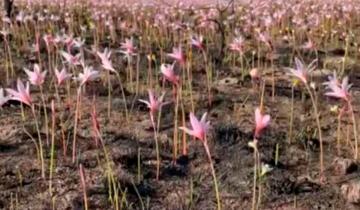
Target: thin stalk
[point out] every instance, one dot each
(45, 115)
(175, 136)
(355, 129)
(259, 178)
(40, 142)
(83, 184)
(338, 133)
(156, 145)
(130, 73)
(259, 194)
(138, 194)
(208, 78)
(139, 165)
(317, 117)
(273, 78)
(52, 146)
(109, 96)
(262, 96)
(184, 141)
(137, 82)
(61, 118)
(348, 135)
(11, 61)
(78, 98)
(7, 48)
(110, 175)
(137, 75)
(150, 76)
(291, 115)
(57, 92)
(123, 96)
(27, 133)
(253, 205)
(213, 174)
(242, 67)
(189, 75)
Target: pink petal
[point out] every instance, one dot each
(145, 102)
(57, 73)
(43, 74)
(266, 121)
(203, 118)
(20, 86)
(12, 92)
(336, 94)
(299, 65)
(188, 131)
(195, 124)
(27, 88)
(36, 68)
(28, 72)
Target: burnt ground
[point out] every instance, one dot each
(187, 184)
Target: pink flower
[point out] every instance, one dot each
(68, 41)
(36, 77)
(309, 45)
(88, 74)
(62, 76)
(3, 98)
(265, 38)
(154, 103)
(254, 74)
(197, 42)
(22, 94)
(105, 60)
(20, 16)
(336, 89)
(58, 39)
(237, 45)
(177, 55)
(199, 128)
(78, 42)
(128, 47)
(35, 47)
(49, 40)
(71, 59)
(301, 72)
(168, 71)
(261, 121)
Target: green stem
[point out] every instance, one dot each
(40, 142)
(45, 114)
(291, 115)
(123, 96)
(157, 146)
